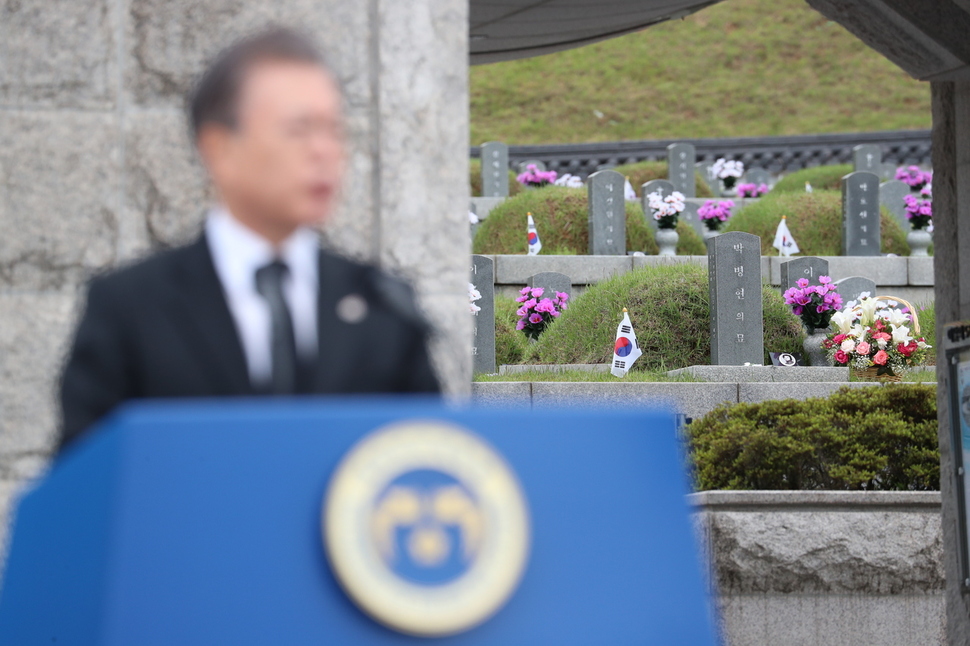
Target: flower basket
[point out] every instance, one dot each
(912, 310)
(872, 374)
(877, 345)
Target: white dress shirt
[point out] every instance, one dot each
(237, 253)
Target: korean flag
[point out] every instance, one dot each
(625, 350)
(535, 245)
(784, 242)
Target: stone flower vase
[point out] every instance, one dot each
(729, 187)
(667, 241)
(919, 241)
(710, 233)
(812, 345)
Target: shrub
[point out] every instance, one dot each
(873, 438)
(815, 221)
(670, 311)
(475, 178)
(824, 178)
(643, 172)
(511, 345)
(562, 217)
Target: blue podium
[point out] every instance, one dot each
(360, 521)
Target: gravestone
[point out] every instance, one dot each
(483, 347)
(887, 172)
(661, 186)
(867, 157)
(734, 281)
(850, 288)
(552, 282)
(607, 213)
(860, 214)
(495, 169)
(680, 168)
(810, 267)
(891, 196)
(690, 216)
(757, 176)
(524, 166)
(704, 168)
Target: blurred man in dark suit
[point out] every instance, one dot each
(254, 306)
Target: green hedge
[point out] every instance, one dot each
(643, 172)
(670, 311)
(815, 221)
(873, 438)
(475, 179)
(822, 178)
(562, 217)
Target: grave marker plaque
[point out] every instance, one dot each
(867, 157)
(607, 213)
(680, 161)
(495, 169)
(737, 323)
(662, 186)
(860, 214)
(891, 196)
(757, 176)
(852, 287)
(704, 168)
(483, 346)
(552, 282)
(810, 267)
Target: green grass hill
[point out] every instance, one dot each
(739, 68)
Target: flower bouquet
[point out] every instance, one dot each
(913, 177)
(729, 171)
(666, 210)
(876, 340)
(473, 295)
(538, 312)
(714, 214)
(536, 178)
(752, 190)
(919, 212)
(815, 305)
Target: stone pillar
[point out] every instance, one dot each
(951, 216)
(96, 166)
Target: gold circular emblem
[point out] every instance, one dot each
(426, 528)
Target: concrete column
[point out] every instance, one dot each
(951, 237)
(96, 166)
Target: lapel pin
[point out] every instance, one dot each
(352, 308)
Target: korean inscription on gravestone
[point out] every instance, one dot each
(867, 157)
(607, 214)
(495, 169)
(860, 214)
(680, 168)
(734, 273)
(483, 348)
(809, 267)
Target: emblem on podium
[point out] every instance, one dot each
(426, 528)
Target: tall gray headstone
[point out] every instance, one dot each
(891, 196)
(661, 186)
(495, 169)
(607, 213)
(552, 282)
(483, 348)
(810, 267)
(867, 157)
(680, 162)
(860, 214)
(704, 168)
(850, 288)
(757, 176)
(737, 317)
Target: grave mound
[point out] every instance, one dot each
(475, 179)
(670, 311)
(562, 218)
(822, 178)
(815, 221)
(870, 439)
(642, 172)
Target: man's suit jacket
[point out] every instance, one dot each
(162, 328)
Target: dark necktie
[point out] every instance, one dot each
(269, 284)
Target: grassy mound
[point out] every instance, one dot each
(670, 311)
(511, 345)
(871, 439)
(822, 178)
(643, 172)
(475, 178)
(815, 221)
(562, 218)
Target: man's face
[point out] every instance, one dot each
(284, 162)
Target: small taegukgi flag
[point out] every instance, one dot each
(535, 245)
(625, 350)
(784, 242)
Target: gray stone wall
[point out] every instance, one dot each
(96, 166)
